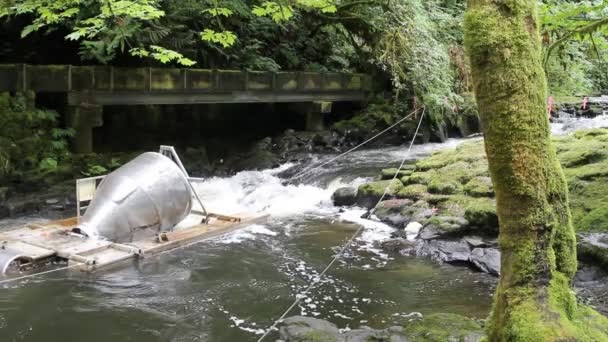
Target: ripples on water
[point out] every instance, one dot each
(233, 287)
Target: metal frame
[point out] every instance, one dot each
(169, 152)
(80, 183)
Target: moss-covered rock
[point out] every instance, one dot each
(593, 248)
(405, 171)
(438, 185)
(441, 327)
(457, 181)
(419, 177)
(480, 186)
(368, 194)
(413, 191)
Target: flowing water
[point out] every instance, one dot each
(232, 288)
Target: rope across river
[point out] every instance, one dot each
(352, 238)
(300, 174)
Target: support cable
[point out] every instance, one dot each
(352, 238)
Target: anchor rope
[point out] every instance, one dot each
(38, 274)
(349, 241)
(312, 168)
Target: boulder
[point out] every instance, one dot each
(486, 259)
(368, 194)
(344, 196)
(593, 248)
(308, 329)
(434, 327)
(450, 251)
(443, 226)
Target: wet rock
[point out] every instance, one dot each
(443, 226)
(450, 251)
(591, 284)
(476, 241)
(344, 196)
(400, 212)
(593, 248)
(486, 259)
(397, 244)
(434, 327)
(308, 329)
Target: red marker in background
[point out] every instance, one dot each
(549, 106)
(585, 100)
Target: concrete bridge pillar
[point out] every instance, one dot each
(314, 116)
(82, 118)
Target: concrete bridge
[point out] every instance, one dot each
(88, 88)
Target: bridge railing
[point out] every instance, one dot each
(68, 78)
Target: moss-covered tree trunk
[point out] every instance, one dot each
(534, 301)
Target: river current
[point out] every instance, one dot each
(235, 286)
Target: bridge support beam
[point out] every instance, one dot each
(314, 116)
(82, 118)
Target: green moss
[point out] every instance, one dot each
(318, 336)
(377, 188)
(481, 213)
(390, 173)
(421, 177)
(413, 191)
(479, 187)
(440, 327)
(437, 185)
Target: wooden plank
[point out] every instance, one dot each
(52, 239)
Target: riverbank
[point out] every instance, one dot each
(444, 205)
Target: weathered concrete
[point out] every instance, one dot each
(83, 119)
(314, 115)
(124, 86)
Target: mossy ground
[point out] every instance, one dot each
(456, 181)
(584, 158)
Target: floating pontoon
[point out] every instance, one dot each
(145, 207)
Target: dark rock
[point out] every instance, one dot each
(434, 327)
(344, 196)
(450, 251)
(486, 259)
(476, 241)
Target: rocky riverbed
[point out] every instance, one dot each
(444, 208)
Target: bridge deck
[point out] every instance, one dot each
(118, 86)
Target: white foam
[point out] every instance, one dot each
(247, 233)
(264, 192)
(373, 232)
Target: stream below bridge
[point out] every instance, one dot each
(234, 287)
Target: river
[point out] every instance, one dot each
(234, 287)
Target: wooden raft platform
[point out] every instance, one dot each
(37, 244)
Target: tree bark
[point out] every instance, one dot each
(534, 300)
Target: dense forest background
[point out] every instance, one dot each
(413, 49)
